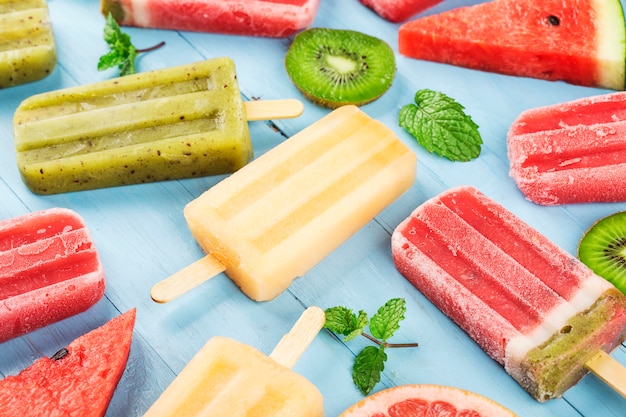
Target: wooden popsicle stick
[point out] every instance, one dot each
(610, 371)
(297, 340)
(273, 109)
(186, 279)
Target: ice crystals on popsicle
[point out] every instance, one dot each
(531, 306)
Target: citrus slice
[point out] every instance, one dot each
(426, 400)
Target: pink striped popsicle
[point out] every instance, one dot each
(572, 152)
(530, 305)
(49, 270)
(268, 18)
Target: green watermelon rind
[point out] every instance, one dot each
(611, 35)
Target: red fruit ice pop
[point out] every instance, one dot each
(534, 308)
(269, 18)
(49, 270)
(572, 152)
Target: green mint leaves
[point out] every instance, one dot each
(122, 53)
(441, 126)
(370, 362)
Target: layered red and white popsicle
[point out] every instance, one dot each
(267, 18)
(530, 305)
(571, 152)
(49, 270)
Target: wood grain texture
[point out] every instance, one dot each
(143, 238)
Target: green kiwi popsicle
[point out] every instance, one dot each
(27, 49)
(180, 122)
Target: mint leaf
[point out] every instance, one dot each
(441, 126)
(342, 320)
(359, 325)
(122, 52)
(369, 363)
(387, 320)
(368, 366)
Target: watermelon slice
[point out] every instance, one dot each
(579, 41)
(78, 381)
(399, 10)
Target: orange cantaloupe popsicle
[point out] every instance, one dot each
(230, 378)
(276, 218)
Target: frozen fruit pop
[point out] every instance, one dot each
(530, 305)
(268, 18)
(27, 47)
(179, 122)
(229, 378)
(399, 10)
(572, 152)
(49, 270)
(277, 217)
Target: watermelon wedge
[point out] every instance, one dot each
(78, 381)
(579, 41)
(399, 10)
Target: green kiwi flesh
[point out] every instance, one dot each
(333, 67)
(603, 249)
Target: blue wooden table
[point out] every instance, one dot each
(142, 236)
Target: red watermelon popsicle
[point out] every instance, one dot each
(49, 270)
(267, 18)
(572, 152)
(399, 10)
(530, 305)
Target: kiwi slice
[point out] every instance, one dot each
(333, 67)
(603, 249)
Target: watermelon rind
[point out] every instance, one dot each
(611, 44)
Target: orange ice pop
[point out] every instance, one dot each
(276, 218)
(229, 378)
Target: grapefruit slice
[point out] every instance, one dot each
(427, 401)
(78, 380)
(579, 41)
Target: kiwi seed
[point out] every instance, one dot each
(333, 67)
(603, 249)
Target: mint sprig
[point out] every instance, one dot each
(370, 362)
(122, 53)
(441, 126)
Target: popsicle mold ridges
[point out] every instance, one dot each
(27, 45)
(179, 122)
(571, 152)
(228, 378)
(49, 270)
(277, 217)
(530, 305)
(270, 18)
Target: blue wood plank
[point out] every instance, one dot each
(142, 236)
